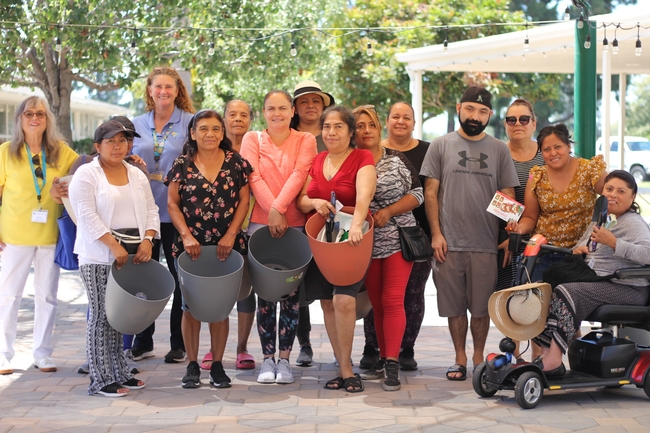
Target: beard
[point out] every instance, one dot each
(472, 127)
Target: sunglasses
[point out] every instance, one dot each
(31, 114)
(38, 171)
(523, 120)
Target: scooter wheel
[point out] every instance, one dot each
(481, 387)
(529, 390)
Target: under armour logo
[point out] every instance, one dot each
(479, 99)
(480, 160)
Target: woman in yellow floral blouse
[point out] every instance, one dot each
(560, 195)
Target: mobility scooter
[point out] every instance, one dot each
(600, 358)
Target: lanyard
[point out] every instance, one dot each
(38, 187)
(159, 146)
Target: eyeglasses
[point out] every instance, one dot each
(31, 114)
(523, 120)
(38, 171)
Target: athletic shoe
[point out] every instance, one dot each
(45, 364)
(369, 358)
(130, 362)
(377, 371)
(174, 356)
(84, 368)
(192, 378)
(305, 357)
(391, 383)
(139, 354)
(407, 360)
(5, 366)
(218, 377)
(283, 372)
(267, 372)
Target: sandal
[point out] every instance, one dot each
(334, 384)
(206, 364)
(353, 382)
(457, 368)
(112, 390)
(133, 383)
(245, 361)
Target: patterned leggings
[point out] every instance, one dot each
(413, 306)
(267, 326)
(104, 352)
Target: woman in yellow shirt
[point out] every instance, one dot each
(30, 165)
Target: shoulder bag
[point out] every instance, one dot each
(416, 245)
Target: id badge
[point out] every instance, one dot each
(39, 216)
(157, 176)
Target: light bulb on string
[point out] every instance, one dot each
(526, 41)
(567, 14)
(637, 46)
(587, 43)
(581, 22)
(615, 46)
(445, 43)
(293, 51)
(133, 48)
(605, 41)
(211, 49)
(57, 45)
(369, 51)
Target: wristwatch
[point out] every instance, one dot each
(149, 238)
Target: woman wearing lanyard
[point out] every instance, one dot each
(30, 165)
(164, 131)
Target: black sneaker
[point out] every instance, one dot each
(406, 360)
(369, 358)
(391, 383)
(192, 378)
(139, 354)
(218, 377)
(174, 356)
(375, 372)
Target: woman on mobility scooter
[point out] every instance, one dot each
(625, 243)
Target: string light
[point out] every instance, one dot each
(369, 51)
(605, 41)
(445, 43)
(293, 51)
(637, 48)
(615, 41)
(211, 49)
(58, 46)
(587, 44)
(581, 21)
(133, 48)
(567, 14)
(526, 41)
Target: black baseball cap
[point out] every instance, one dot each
(110, 129)
(477, 94)
(127, 123)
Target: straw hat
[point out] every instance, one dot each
(307, 87)
(520, 312)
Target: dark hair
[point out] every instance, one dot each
(191, 146)
(250, 109)
(400, 102)
(295, 120)
(346, 116)
(630, 182)
(559, 129)
(276, 92)
(524, 103)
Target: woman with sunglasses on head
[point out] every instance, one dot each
(281, 158)
(30, 164)
(208, 201)
(560, 195)
(398, 193)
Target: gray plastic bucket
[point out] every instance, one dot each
(277, 266)
(210, 287)
(131, 314)
(363, 304)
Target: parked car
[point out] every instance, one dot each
(637, 155)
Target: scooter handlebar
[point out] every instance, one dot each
(556, 250)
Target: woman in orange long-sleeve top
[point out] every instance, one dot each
(281, 158)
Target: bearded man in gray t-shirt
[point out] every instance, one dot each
(463, 170)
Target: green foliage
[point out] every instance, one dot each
(638, 111)
(83, 146)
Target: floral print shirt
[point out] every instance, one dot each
(564, 217)
(209, 208)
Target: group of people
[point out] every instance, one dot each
(199, 179)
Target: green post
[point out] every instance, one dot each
(585, 91)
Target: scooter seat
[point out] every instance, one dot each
(621, 315)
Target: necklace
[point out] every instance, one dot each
(332, 170)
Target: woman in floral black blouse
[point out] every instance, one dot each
(207, 201)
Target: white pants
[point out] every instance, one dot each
(16, 263)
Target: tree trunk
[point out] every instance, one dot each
(58, 88)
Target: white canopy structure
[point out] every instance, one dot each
(551, 50)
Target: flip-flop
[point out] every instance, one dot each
(245, 361)
(206, 363)
(457, 368)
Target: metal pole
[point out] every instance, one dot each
(416, 100)
(622, 86)
(607, 106)
(585, 90)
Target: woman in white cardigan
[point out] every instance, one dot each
(108, 194)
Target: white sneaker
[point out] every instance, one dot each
(130, 362)
(267, 372)
(283, 372)
(5, 366)
(45, 364)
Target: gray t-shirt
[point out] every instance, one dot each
(470, 172)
